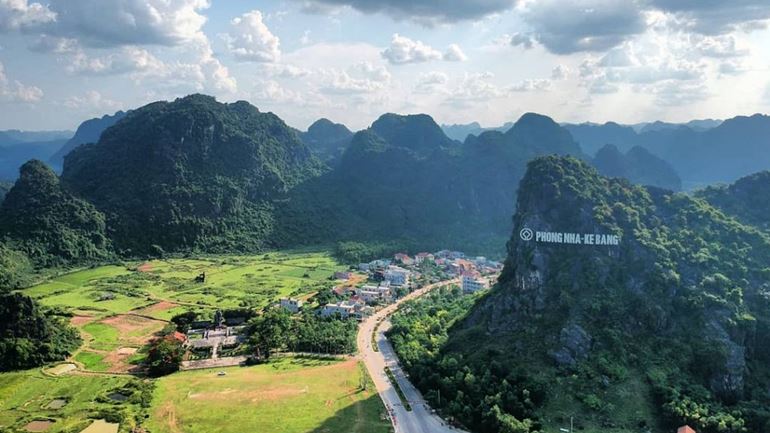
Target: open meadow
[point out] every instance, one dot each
(33, 401)
(118, 309)
(288, 395)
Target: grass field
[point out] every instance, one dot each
(231, 281)
(27, 396)
(289, 395)
(114, 306)
(117, 308)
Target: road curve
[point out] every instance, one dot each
(421, 418)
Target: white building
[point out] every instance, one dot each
(397, 276)
(372, 294)
(473, 283)
(346, 309)
(291, 304)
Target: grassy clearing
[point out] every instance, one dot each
(25, 396)
(231, 281)
(105, 337)
(288, 395)
(92, 361)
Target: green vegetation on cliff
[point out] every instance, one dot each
(670, 327)
(402, 181)
(747, 199)
(190, 174)
(31, 336)
(53, 227)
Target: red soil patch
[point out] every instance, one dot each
(80, 320)
(134, 331)
(160, 306)
(144, 267)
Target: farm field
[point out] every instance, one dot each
(67, 403)
(288, 395)
(231, 281)
(118, 309)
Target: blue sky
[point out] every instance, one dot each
(63, 61)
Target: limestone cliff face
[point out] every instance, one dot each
(682, 276)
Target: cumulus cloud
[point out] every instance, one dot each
(431, 82)
(125, 60)
(475, 88)
(722, 46)
(363, 77)
(403, 50)
(272, 91)
(110, 23)
(250, 39)
(284, 70)
(454, 54)
(581, 25)
(423, 11)
(15, 91)
(530, 85)
(91, 100)
(716, 16)
(20, 14)
(669, 65)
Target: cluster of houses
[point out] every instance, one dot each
(386, 277)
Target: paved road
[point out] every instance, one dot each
(420, 419)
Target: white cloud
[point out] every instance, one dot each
(15, 91)
(530, 85)
(251, 40)
(722, 46)
(91, 100)
(431, 83)
(404, 50)
(566, 27)
(109, 23)
(560, 72)
(125, 60)
(53, 44)
(475, 88)
(455, 54)
(284, 70)
(363, 77)
(272, 91)
(20, 14)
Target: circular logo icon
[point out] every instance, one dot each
(526, 234)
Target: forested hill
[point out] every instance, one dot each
(670, 326)
(748, 199)
(190, 174)
(702, 153)
(637, 165)
(402, 179)
(327, 140)
(47, 223)
(88, 132)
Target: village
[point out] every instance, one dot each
(358, 293)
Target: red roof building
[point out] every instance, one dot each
(685, 429)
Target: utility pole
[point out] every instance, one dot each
(571, 424)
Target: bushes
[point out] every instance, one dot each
(31, 336)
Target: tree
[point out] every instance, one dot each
(164, 356)
(269, 331)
